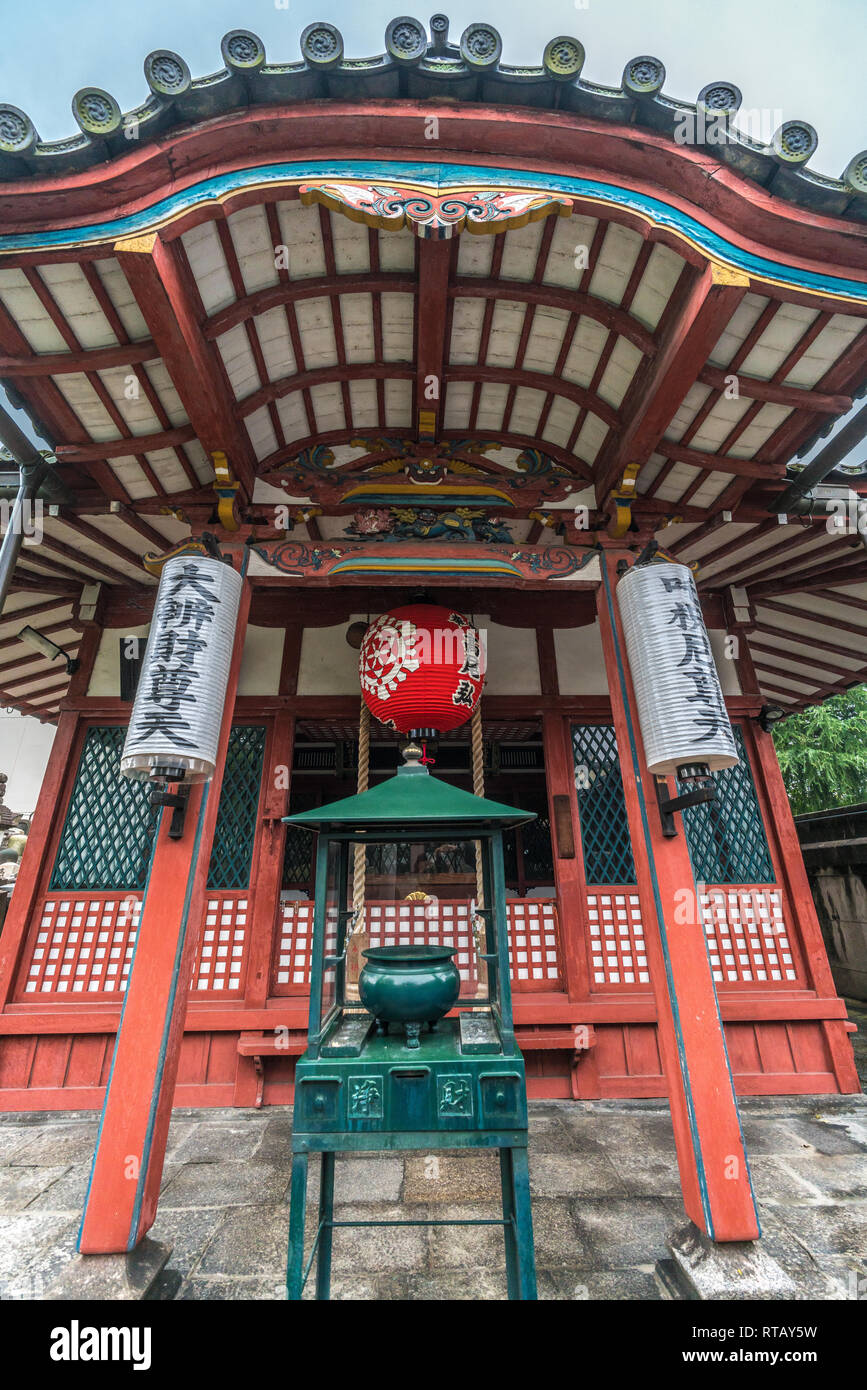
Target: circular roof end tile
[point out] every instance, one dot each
(855, 173)
(406, 41)
(243, 52)
(563, 58)
(795, 142)
(439, 30)
(643, 76)
(166, 74)
(17, 131)
(322, 45)
(720, 99)
(481, 47)
(96, 112)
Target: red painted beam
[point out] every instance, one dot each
(491, 135)
(515, 441)
(434, 259)
(89, 360)
(122, 448)
(708, 305)
(719, 463)
(797, 397)
(157, 281)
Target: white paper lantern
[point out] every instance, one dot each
(181, 693)
(681, 708)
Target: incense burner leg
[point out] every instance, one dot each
(326, 1215)
(297, 1213)
(412, 1034)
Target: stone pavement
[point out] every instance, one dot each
(605, 1200)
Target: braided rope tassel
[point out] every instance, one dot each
(478, 755)
(360, 861)
(359, 865)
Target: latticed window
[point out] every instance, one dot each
(601, 805)
(232, 853)
(298, 857)
(108, 835)
(726, 837)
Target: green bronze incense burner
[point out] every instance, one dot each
(411, 985)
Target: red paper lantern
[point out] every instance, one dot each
(421, 667)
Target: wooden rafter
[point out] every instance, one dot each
(46, 364)
(120, 448)
(796, 397)
(157, 280)
(708, 304)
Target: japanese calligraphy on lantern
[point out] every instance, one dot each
(681, 708)
(422, 666)
(178, 708)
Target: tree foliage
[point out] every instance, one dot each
(823, 753)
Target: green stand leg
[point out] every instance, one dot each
(297, 1213)
(509, 1232)
(518, 1230)
(326, 1214)
(523, 1224)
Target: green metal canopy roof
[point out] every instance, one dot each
(413, 798)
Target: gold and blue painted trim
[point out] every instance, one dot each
(442, 179)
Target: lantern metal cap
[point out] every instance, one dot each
(413, 798)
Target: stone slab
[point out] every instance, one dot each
(126, 1278)
(451, 1178)
(735, 1270)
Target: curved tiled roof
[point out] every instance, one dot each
(417, 67)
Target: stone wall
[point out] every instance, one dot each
(834, 844)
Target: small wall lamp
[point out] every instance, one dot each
(768, 716)
(34, 638)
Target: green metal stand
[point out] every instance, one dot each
(459, 1084)
(389, 1098)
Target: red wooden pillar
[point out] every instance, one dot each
(563, 812)
(714, 1173)
(123, 1192)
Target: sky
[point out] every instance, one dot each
(24, 748)
(801, 57)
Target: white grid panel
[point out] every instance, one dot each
(223, 945)
(534, 955)
(747, 936)
(534, 958)
(618, 953)
(84, 945)
(292, 974)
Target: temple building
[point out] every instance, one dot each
(424, 329)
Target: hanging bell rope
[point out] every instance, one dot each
(478, 753)
(360, 861)
(354, 941)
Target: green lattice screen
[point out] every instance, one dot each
(232, 853)
(109, 830)
(601, 805)
(726, 837)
